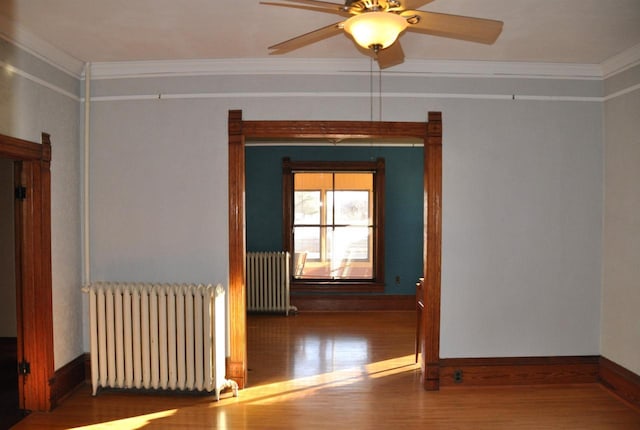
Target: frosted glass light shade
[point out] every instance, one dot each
(375, 29)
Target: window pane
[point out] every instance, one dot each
(351, 243)
(350, 207)
(307, 207)
(349, 251)
(307, 240)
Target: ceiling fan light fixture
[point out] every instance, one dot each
(375, 30)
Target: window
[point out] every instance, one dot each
(333, 224)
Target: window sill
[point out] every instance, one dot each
(317, 286)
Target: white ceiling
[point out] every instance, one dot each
(556, 31)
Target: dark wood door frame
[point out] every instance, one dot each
(33, 267)
(429, 132)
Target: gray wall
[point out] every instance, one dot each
(621, 239)
(522, 190)
(38, 97)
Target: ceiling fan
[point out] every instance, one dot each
(376, 24)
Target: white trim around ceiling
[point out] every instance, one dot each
(621, 62)
(40, 48)
(297, 66)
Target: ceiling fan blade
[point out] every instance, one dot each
(454, 26)
(320, 3)
(391, 56)
(311, 8)
(306, 39)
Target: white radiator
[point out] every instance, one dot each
(268, 282)
(158, 336)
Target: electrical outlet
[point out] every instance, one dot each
(457, 376)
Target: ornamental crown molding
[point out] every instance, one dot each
(621, 62)
(40, 48)
(264, 66)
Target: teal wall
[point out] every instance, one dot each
(403, 202)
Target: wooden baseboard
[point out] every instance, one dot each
(360, 302)
(67, 379)
(621, 381)
(518, 370)
(453, 372)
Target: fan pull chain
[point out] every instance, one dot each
(371, 96)
(379, 94)
(371, 90)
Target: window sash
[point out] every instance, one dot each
(358, 218)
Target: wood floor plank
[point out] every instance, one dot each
(343, 371)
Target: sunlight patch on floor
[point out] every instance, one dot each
(293, 389)
(130, 423)
(308, 386)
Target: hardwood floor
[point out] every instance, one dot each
(343, 371)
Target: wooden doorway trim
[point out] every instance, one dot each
(430, 133)
(33, 267)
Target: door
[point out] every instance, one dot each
(34, 319)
